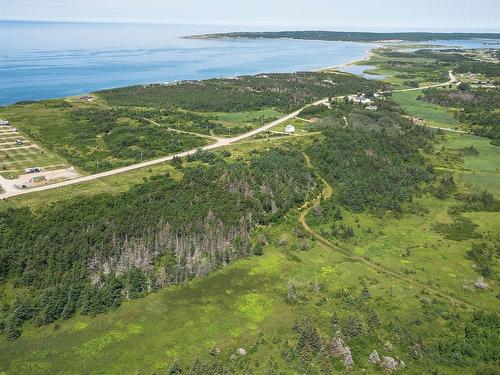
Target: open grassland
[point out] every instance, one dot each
(245, 306)
(247, 120)
(123, 182)
(412, 246)
(93, 137)
(14, 158)
(434, 115)
(473, 160)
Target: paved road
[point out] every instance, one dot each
(12, 191)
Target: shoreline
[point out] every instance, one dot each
(368, 55)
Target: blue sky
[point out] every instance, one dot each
(331, 14)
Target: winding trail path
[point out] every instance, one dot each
(327, 193)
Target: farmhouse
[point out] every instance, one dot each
(360, 99)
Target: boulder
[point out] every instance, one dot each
(374, 358)
(480, 284)
(389, 364)
(337, 347)
(348, 362)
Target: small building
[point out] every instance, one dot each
(360, 99)
(19, 142)
(372, 108)
(37, 179)
(4, 123)
(290, 129)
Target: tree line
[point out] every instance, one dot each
(88, 254)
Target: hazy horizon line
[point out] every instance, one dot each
(287, 27)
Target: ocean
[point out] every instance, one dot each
(41, 60)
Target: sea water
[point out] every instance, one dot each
(40, 60)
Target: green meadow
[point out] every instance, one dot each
(244, 305)
(434, 115)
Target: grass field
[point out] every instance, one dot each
(392, 76)
(480, 171)
(245, 305)
(434, 115)
(301, 126)
(241, 306)
(14, 159)
(250, 119)
(91, 138)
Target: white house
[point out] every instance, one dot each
(360, 99)
(290, 129)
(4, 123)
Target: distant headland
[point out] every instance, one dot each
(349, 36)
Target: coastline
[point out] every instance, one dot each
(369, 54)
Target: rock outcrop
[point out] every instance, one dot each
(374, 358)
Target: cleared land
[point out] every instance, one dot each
(14, 158)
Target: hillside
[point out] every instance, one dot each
(365, 241)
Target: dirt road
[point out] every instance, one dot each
(11, 190)
(327, 193)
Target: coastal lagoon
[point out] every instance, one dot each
(41, 60)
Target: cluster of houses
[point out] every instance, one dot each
(477, 80)
(4, 123)
(360, 99)
(86, 98)
(364, 100)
